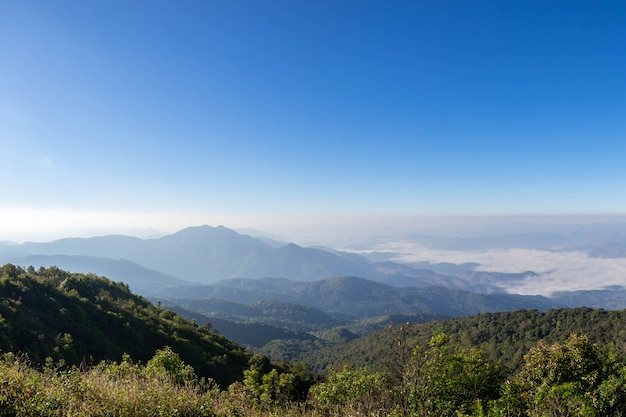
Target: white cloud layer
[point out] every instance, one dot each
(558, 271)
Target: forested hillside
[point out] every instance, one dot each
(503, 336)
(80, 317)
(574, 377)
(355, 298)
(287, 320)
(77, 344)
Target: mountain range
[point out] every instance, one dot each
(200, 261)
(205, 254)
(355, 298)
(282, 299)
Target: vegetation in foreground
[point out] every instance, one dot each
(51, 313)
(439, 376)
(572, 378)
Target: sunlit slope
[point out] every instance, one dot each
(78, 317)
(505, 336)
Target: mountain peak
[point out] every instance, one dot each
(205, 230)
(291, 246)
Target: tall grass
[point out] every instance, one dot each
(125, 389)
(107, 389)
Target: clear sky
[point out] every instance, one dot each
(171, 113)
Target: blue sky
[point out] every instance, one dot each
(218, 111)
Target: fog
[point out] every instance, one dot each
(557, 270)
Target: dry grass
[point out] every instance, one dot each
(124, 389)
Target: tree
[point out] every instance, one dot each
(567, 379)
(167, 364)
(352, 392)
(444, 380)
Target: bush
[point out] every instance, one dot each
(352, 392)
(107, 389)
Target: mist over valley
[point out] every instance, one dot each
(561, 259)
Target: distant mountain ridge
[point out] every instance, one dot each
(355, 298)
(144, 281)
(205, 255)
(208, 254)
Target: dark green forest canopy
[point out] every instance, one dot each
(505, 336)
(84, 318)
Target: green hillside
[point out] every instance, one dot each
(503, 336)
(85, 318)
(252, 335)
(353, 298)
(137, 359)
(289, 316)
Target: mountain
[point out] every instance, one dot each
(289, 316)
(285, 331)
(353, 298)
(196, 254)
(207, 254)
(252, 335)
(144, 281)
(83, 318)
(504, 336)
(611, 298)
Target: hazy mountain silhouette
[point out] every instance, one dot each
(144, 281)
(207, 254)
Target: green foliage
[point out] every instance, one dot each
(288, 316)
(352, 392)
(84, 318)
(269, 387)
(107, 389)
(441, 379)
(166, 364)
(437, 379)
(573, 378)
(505, 336)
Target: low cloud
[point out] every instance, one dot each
(577, 272)
(557, 271)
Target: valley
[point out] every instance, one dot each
(312, 208)
(90, 344)
(288, 301)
